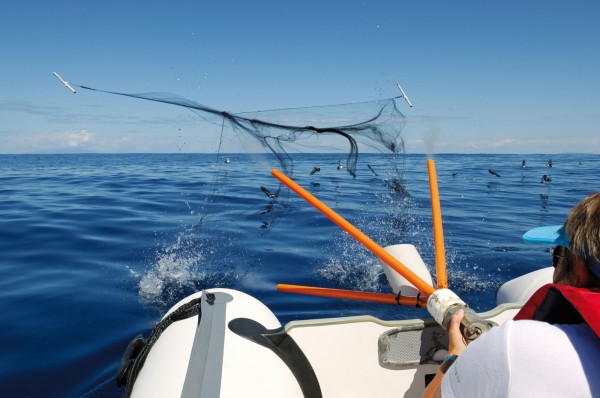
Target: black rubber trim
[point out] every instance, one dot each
(187, 310)
(282, 344)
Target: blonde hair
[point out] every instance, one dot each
(583, 227)
(583, 231)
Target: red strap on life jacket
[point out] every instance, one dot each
(564, 305)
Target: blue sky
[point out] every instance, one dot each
(484, 77)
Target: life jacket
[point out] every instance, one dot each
(564, 305)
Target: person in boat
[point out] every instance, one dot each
(552, 346)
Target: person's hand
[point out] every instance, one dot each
(457, 342)
(456, 346)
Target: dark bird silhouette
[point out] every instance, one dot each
(372, 171)
(549, 164)
(397, 187)
(545, 179)
(268, 193)
(314, 170)
(340, 165)
(494, 172)
(523, 164)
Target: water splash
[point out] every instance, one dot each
(181, 269)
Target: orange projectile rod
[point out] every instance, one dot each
(385, 298)
(438, 232)
(387, 258)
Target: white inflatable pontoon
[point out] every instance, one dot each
(225, 343)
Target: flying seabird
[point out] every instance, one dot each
(268, 193)
(373, 171)
(397, 187)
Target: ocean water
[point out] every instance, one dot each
(95, 248)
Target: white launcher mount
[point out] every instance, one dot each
(442, 303)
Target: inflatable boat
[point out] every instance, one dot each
(225, 343)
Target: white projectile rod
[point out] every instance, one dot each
(67, 85)
(404, 94)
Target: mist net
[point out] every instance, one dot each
(373, 125)
(209, 253)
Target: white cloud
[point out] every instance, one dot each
(67, 142)
(582, 144)
(78, 139)
(57, 141)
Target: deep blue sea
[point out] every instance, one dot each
(95, 248)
